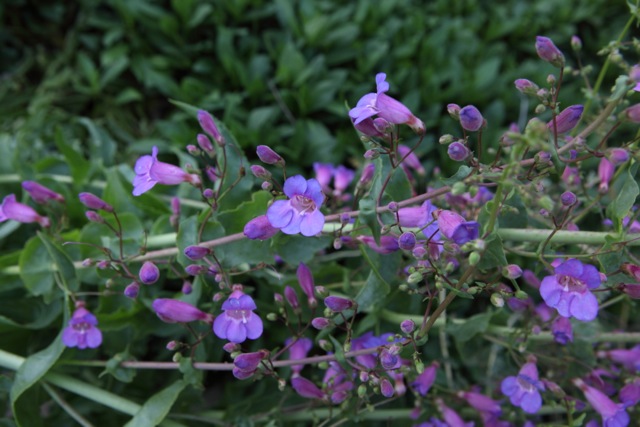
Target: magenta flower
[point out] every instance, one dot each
(41, 194)
(613, 414)
(301, 212)
(568, 290)
(175, 311)
(11, 209)
(238, 322)
(82, 331)
(246, 364)
(451, 417)
(423, 382)
(338, 304)
(524, 389)
(385, 107)
(259, 228)
(548, 51)
(480, 402)
(150, 171)
(268, 156)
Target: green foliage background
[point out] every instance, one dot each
(85, 88)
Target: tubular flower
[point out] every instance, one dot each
(150, 171)
(613, 414)
(82, 331)
(238, 322)
(175, 311)
(41, 194)
(298, 350)
(11, 209)
(385, 107)
(301, 212)
(568, 290)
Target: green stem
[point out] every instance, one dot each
(562, 236)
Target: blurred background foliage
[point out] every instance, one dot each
(279, 73)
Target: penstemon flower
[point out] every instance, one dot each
(524, 389)
(238, 321)
(12, 209)
(82, 331)
(301, 212)
(150, 171)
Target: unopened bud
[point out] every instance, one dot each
(497, 300)
(474, 258)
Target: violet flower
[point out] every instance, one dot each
(238, 322)
(338, 304)
(562, 330)
(301, 212)
(630, 393)
(259, 228)
(175, 311)
(298, 350)
(568, 290)
(548, 51)
(451, 417)
(423, 382)
(305, 279)
(94, 202)
(150, 171)
(480, 402)
(613, 414)
(471, 119)
(11, 209)
(630, 358)
(306, 388)
(454, 227)
(385, 107)
(342, 177)
(524, 389)
(567, 119)
(324, 174)
(82, 331)
(458, 152)
(41, 194)
(149, 273)
(209, 126)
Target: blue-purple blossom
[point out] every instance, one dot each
(567, 119)
(149, 273)
(150, 171)
(423, 382)
(524, 389)
(298, 350)
(568, 290)
(82, 331)
(548, 51)
(385, 107)
(301, 212)
(451, 417)
(454, 227)
(458, 152)
(338, 304)
(470, 118)
(238, 321)
(629, 358)
(562, 330)
(259, 228)
(630, 393)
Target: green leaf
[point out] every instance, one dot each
(192, 375)
(470, 327)
(369, 217)
(65, 271)
(610, 256)
(462, 173)
(376, 288)
(493, 255)
(621, 205)
(78, 165)
(114, 368)
(157, 407)
(295, 249)
(35, 367)
(623, 85)
(36, 268)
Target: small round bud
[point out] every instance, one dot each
(497, 300)
(392, 206)
(272, 317)
(87, 262)
(576, 43)
(208, 193)
(94, 217)
(568, 198)
(267, 186)
(407, 241)
(540, 109)
(446, 139)
(459, 188)
(177, 357)
(132, 290)
(371, 154)
(419, 252)
(511, 271)
(326, 345)
(187, 287)
(320, 323)
(474, 258)
(407, 326)
(521, 295)
(415, 277)
(362, 390)
(260, 172)
(193, 150)
(172, 345)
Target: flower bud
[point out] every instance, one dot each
(208, 193)
(631, 289)
(497, 300)
(187, 288)
(474, 258)
(568, 198)
(175, 311)
(209, 126)
(195, 269)
(94, 216)
(567, 119)
(415, 277)
(512, 271)
(94, 202)
(193, 150)
(407, 326)
(605, 173)
(41, 194)
(446, 139)
(618, 156)
(458, 152)
(149, 273)
(527, 87)
(305, 279)
(132, 290)
(195, 252)
(320, 323)
(260, 172)
(471, 119)
(454, 111)
(576, 43)
(268, 156)
(338, 304)
(205, 143)
(386, 389)
(633, 113)
(407, 241)
(259, 228)
(548, 51)
(292, 298)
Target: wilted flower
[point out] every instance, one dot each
(238, 321)
(11, 209)
(150, 171)
(82, 331)
(301, 213)
(568, 290)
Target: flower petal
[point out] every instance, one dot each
(312, 223)
(254, 327)
(236, 332)
(584, 306)
(294, 226)
(280, 213)
(220, 326)
(295, 185)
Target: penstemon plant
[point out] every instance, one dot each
(502, 295)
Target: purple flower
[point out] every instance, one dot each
(451, 417)
(259, 228)
(150, 171)
(268, 156)
(458, 152)
(305, 279)
(11, 209)
(367, 174)
(338, 304)
(480, 402)
(301, 212)
(172, 311)
(567, 119)
(41, 194)
(306, 388)
(246, 364)
(132, 290)
(82, 331)
(605, 173)
(524, 389)
(292, 298)
(454, 227)
(195, 252)
(407, 326)
(568, 290)
(527, 87)
(613, 414)
(549, 52)
(209, 126)
(630, 393)
(94, 202)
(238, 322)
(410, 159)
(386, 389)
(423, 382)
(387, 244)
(324, 174)
(342, 177)
(630, 359)
(204, 142)
(562, 330)
(385, 107)
(369, 127)
(471, 119)
(407, 241)
(298, 350)
(149, 273)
